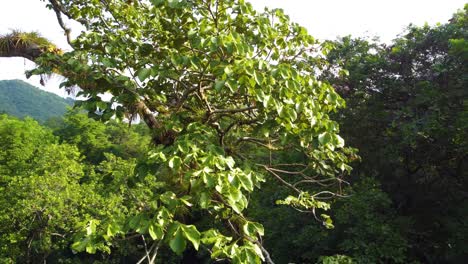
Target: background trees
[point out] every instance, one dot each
(20, 99)
(41, 199)
(407, 115)
(51, 190)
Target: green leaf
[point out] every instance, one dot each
(113, 229)
(230, 162)
(339, 141)
(91, 228)
(192, 234)
(208, 179)
(135, 221)
(143, 74)
(175, 162)
(252, 229)
(156, 231)
(246, 181)
(178, 243)
(228, 71)
(80, 246)
(258, 77)
(204, 200)
(327, 221)
(169, 199)
(219, 85)
(324, 138)
(91, 249)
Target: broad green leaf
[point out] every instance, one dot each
(252, 229)
(91, 228)
(324, 138)
(80, 246)
(143, 74)
(219, 85)
(178, 242)
(246, 181)
(156, 231)
(169, 199)
(175, 162)
(135, 221)
(230, 162)
(91, 249)
(339, 141)
(205, 200)
(192, 234)
(113, 229)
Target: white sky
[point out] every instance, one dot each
(325, 19)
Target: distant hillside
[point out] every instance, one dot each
(21, 99)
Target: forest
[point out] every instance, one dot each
(21, 99)
(233, 136)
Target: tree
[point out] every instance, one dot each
(40, 196)
(48, 193)
(226, 91)
(407, 115)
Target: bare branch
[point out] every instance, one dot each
(148, 251)
(280, 178)
(58, 12)
(234, 110)
(260, 142)
(330, 195)
(155, 254)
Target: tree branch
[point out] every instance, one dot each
(280, 179)
(58, 12)
(216, 111)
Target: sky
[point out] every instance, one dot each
(324, 19)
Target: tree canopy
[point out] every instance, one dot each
(226, 91)
(407, 115)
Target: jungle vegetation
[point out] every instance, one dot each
(20, 99)
(240, 153)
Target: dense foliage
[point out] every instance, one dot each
(22, 99)
(407, 113)
(237, 100)
(226, 92)
(49, 189)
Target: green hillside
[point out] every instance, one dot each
(21, 99)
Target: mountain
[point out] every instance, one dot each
(21, 99)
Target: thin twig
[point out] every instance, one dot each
(280, 179)
(146, 249)
(234, 110)
(155, 254)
